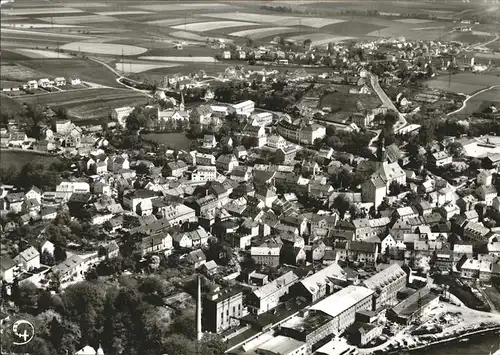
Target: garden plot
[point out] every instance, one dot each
(41, 53)
(180, 59)
(259, 33)
(318, 39)
(79, 19)
(104, 48)
(210, 26)
(141, 67)
(41, 11)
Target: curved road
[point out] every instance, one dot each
(464, 104)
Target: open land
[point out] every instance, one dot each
(172, 140)
(18, 158)
(464, 83)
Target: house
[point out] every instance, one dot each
(139, 201)
(257, 133)
(265, 195)
(60, 81)
(244, 108)
(209, 141)
(28, 259)
(276, 142)
(226, 55)
(209, 268)
(182, 240)
(487, 193)
(161, 242)
(201, 115)
(32, 84)
(241, 174)
(196, 258)
(120, 114)
(176, 168)
(320, 284)
(14, 202)
(286, 155)
(266, 254)
(44, 83)
(358, 251)
(73, 266)
(485, 177)
(439, 159)
(240, 152)
(34, 193)
(226, 162)
(261, 119)
(7, 268)
(414, 307)
(31, 206)
(75, 81)
(203, 173)
(267, 297)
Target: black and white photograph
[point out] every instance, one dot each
(250, 177)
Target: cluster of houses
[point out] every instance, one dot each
(45, 83)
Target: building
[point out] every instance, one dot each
(60, 81)
(320, 284)
(244, 108)
(204, 173)
(261, 119)
(301, 133)
(439, 159)
(286, 155)
(487, 193)
(174, 214)
(276, 142)
(267, 297)
(281, 345)
(386, 284)
(221, 310)
(257, 133)
(7, 269)
(201, 115)
(226, 162)
(204, 159)
(71, 267)
(28, 259)
(160, 242)
(414, 307)
(358, 251)
(209, 141)
(120, 114)
(266, 255)
(176, 168)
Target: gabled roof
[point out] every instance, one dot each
(28, 254)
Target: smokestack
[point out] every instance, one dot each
(199, 333)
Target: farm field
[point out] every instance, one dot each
(212, 25)
(88, 103)
(260, 33)
(464, 83)
(173, 140)
(85, 69)
(482, 101)
(318, 39)
(180, 59)
(104, 48)
(10, 106)
(40, 53)
(18, 158)
(139, 67)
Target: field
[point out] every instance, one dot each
(86, 70)
(172, 140)
(341, 99)
(17, 158)
(104, 48)
(212, 25)
(40, 53)
(88, 103)
(181, 59)
(464, 83)
(259, 33)
(481, 101)
(318, 39)
(138, 67)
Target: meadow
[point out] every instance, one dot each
(173, 140)
(17, 159)
(463, 83)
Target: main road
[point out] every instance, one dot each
(387, 102)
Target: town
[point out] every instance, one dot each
(307, 198)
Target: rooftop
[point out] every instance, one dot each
(338, 302)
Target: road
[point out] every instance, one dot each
(484, 43)
(464, 104)
(387, 102)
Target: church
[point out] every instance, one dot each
(376, 188)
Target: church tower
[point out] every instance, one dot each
(199, 333)
(381, 154)
(181, 106)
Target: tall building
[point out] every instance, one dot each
(386, 284)
(221, 309)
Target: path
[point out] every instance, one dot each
(119, 77)
(484, 43)
(464, 104)
(386, 101)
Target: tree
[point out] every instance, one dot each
(455, 149)
(342, 205)
(395, 188)
(4, 291)
(47, 258)
(29, 296)
(44, 301)
(59, 254)
(318, 143)
(179, 344)
(307, 43)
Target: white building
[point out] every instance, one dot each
(73, 186)
(204, 173)
(244, 108)
(119, 114)
(28, 259)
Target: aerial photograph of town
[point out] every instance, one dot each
(250, 177)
